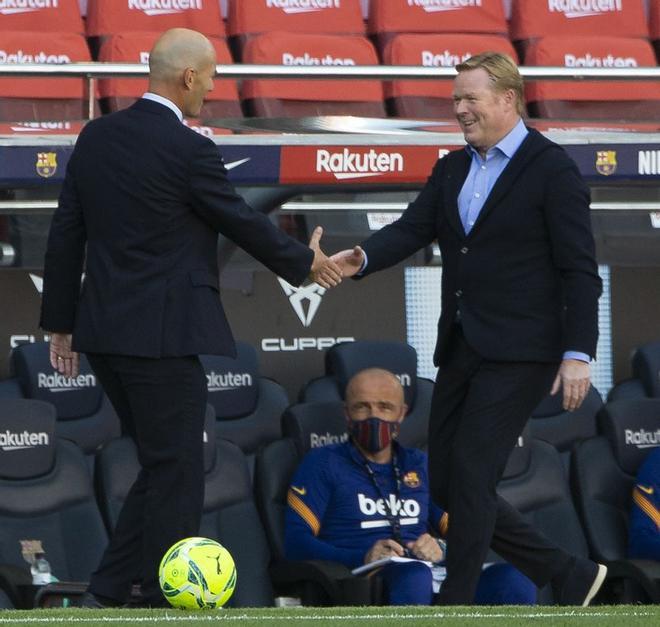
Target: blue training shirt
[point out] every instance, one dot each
(644, 531)
(336, 513)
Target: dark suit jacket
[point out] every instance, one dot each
(525, 279)
(147, 197)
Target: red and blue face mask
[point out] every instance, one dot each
(373, 434)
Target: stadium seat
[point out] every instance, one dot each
(533, 20)
(47, 499)
(62, 16)
(314, 424)
(645, 382)
(230, 515)
(247, 18)
(602, 477)
(84, 414)
(117, 94)
(654, 26)
(432, 99)
(41, 99)
(563, 429)
(247, 406)
(389, 17)
(344, 360)
(594, 99)
(292, 98)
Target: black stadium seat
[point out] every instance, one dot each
(645, 382)
(47, 499)
(314, 424)
(247, 406)
(603, 476)
(84, 413)
(344, 360)
(230, 515)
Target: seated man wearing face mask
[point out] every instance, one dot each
(367, 499)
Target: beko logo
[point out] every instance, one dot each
(16, 441)
(302, 6)
(227, 381)
(316, 439)
(57, 382)
(433, 6)
(584, 8)
(165, 7)
(354, 165)
(642, 438)
(11, 7)
(407, 510)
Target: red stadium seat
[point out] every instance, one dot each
(617, 18)
(45, 17)
(134, 48)
(592, 99)
(654, 26)
(42, 98)
(107, 17)
(388, 17)
(289, 98)
(433, 99)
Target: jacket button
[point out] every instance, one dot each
(464, 249)
(458, 293)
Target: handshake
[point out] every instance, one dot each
(329, 271)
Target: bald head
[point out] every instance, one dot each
(181, 68)
(373, 379)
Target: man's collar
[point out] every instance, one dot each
(166, 102)
(509, 143)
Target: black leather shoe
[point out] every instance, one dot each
(94, 601)
(579, 583)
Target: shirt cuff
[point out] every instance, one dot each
(364, 263)
(577, 355)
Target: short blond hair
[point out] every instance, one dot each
(502, 70)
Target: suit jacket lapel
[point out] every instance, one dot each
(506, 179)
(457, 172)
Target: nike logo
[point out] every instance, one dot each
(235, 164)
(301, 491)
(643, 488)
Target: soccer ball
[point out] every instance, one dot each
(197, 573)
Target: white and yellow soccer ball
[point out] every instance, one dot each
(197, 573)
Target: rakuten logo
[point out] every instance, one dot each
(316, 439)
(570, 60)
(11, 7)
(40, 57)
(57, 382)
(302, 6)
(308, 59)
(584, 8)
(404, 379)
(433, 6)
(643, 438)
(408, 508)
(35, 127)
(354, 165)
(16, 441)
(165, 7)
(443, 59)
(227, 381)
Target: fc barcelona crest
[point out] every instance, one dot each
(46, 164)
(411, 479)
(606, 162)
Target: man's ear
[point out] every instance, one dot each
(188, 77)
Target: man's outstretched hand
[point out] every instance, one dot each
(324, 270)
(349, 261)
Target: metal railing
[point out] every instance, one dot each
(95, 70)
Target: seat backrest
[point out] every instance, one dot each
(561, 428)
(46, 495)
(247, 407)
(106, 17)
(84, 414)
(646, 368)
(433, 98)
(281, 98)
(230, 515)
(531, 20)
(61, 16)
(654, 24)
(134, 47)
(604, 468)
(42, 98)
(604, 99)
(627, 389)
(311, 425)
(346, 359)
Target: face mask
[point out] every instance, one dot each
(373, 434)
